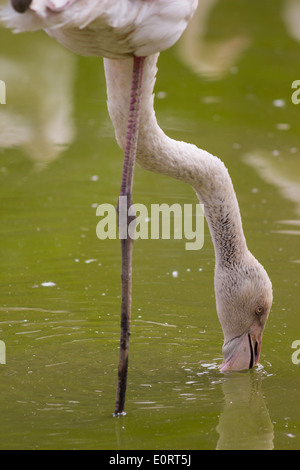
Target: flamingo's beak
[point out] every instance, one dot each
(242, 352)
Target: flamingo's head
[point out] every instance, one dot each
(244, 298)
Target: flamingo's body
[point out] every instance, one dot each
(118, 29)
(107, 28)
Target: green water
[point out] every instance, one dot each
(225, 87)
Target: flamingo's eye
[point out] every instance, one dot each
(259, 310)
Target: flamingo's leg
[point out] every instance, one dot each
(127, 242)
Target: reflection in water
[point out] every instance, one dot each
(245, 422)
(39, 105)
(283, 173)
(291, 18)
(207, 59)
(215, 60)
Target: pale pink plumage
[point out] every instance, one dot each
(108, 28)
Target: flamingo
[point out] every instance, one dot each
(130, 34)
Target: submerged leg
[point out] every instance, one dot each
(127, 242)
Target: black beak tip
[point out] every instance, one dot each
(251, 353)
(21, 6)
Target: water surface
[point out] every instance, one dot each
(226, 87)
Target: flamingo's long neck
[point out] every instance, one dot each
(158, 153)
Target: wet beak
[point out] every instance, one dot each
(242, 352)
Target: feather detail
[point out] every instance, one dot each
(109, 28)
(58, 5)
